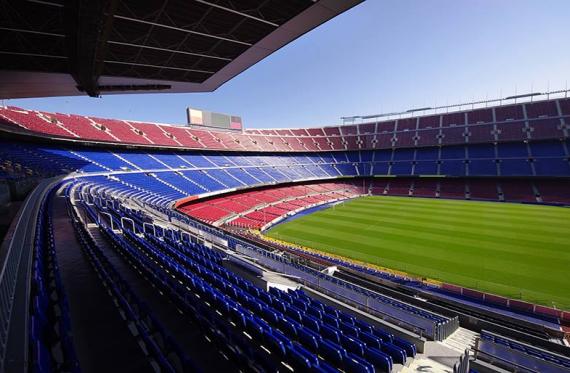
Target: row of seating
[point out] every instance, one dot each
(133, 160)
(232, 344)
(169, 185)
(464, 134)
(176, 258)
(50, 335)
(108, 191)
(417, 320)
(160, 347)
(530, 121)
(530, 111)
(406, 281)
(255, 208)
(231, 326)
(259, 218)
(522, 355)
(233, 206)
(315, 308)
(89, 160)
(491, 189)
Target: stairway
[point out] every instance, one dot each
(461, 339)
(90, 161)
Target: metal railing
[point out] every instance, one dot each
(462, 366)
(445, 109)
(404, 319)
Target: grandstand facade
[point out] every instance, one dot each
(180, 207)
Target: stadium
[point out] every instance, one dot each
(432, 239)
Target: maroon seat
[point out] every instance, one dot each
(483, 189)
(554, 191)
(452, 188)
(517, 191)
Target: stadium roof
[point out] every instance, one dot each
(61, 48)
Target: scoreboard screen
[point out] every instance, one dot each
(197, 117)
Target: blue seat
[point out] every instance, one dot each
(451, 152)
(410, 348)
(330, 333)
(547, 149)
(300, 305)
(425, 168)
(481, 151)
(311, 323)
(266, 297)
(255, 306)
(379, 359)
(309, 339)
(315, 312)
(289, 325)
(352, 345)
(272, 316)
(37, 328)
(331, 320)
(266, 327)
(383, 335)
(515, 167)
(365, 327)
(280, 336)
(42, 358)
(487, 167)
(401, 168)
(348, 319)
(380, 168)
(294, 313)
(552, 167)
(403, 154)
(398, 354)
(275, 345)
(371, 340)
(331, 310)
(452, 168)
(297, 360)
(349, 329)
(312, 358)
(237, 317)
(280, 306)
(512, 150)
(357, 365)
(333, 353)
(286, 297)
(324, 368)
(318, 305)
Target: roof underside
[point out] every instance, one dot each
(60, 47)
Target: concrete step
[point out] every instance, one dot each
(461, 340)
(426, 365)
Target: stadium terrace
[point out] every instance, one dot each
(185, 209)
(435, 238)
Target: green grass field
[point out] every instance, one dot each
(514, 250)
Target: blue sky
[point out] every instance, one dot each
(381, 56)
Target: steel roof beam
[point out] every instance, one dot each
(182, 30)
(238, 13)
(168, 50)
(33, 54)
(32, 32)
(159, 67)
(46, 3)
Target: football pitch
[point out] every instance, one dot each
(515, 250)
